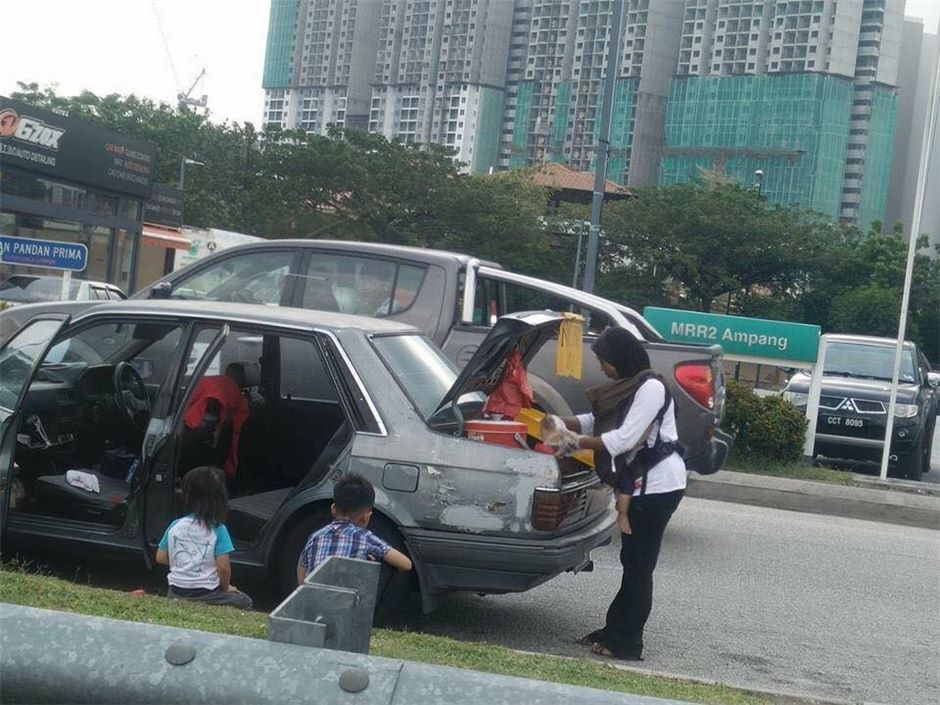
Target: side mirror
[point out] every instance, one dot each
(145, 368)
(933, 379)
(161, 290)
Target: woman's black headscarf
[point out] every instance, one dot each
(618, 347)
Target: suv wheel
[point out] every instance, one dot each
(910, 465)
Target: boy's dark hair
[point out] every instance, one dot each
(204, 495)
(353, 494)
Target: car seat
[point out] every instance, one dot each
(60, 498)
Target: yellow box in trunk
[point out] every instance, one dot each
(532, 418)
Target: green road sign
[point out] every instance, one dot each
(738, 336)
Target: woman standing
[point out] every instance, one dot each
(632, 431)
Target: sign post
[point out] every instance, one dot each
(757, 340)
(45, 254)
(750, 339)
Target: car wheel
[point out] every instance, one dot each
(910, 465)
(397, 589)
(294, 544)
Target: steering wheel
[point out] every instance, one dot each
(130, 395)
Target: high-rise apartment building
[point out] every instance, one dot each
(917, 74)
(319, 63)
(801, 90)
(440, 75)
(414, 70)
(555, 84)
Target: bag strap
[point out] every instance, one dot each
(658, 422)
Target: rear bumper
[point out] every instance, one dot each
(492, 564)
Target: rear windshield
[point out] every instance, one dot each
(422, 371)
(867, 361)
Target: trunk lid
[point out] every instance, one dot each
(523, 332)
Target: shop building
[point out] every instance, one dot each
(66, 180)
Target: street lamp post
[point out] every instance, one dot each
(183, 162)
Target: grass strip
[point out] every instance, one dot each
(21, 587)
(793, 471)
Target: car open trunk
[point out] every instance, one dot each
(579, 494)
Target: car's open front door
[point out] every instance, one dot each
(161, 442)
(20, 357)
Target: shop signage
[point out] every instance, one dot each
(164, 207)
(738, 336)
(48, 254)
(41, 141)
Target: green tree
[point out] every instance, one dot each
(706, 240)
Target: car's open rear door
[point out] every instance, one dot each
(20, 357)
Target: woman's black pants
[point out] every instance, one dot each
(639, 552)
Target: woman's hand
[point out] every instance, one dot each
(623, 521)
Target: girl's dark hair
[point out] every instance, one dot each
(618, 347)
(204, 495)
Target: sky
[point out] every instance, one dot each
(116, 46)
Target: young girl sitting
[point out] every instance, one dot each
(197, 546)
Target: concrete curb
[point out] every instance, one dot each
(886, 505)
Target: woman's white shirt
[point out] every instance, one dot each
(669, 474)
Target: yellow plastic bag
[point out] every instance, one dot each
(569, 358)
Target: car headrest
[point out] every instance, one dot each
(245, 374)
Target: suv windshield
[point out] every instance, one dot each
(421, 369)
(867, 361)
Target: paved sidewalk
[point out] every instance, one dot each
(904, 503)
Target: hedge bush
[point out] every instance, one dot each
(764, 427)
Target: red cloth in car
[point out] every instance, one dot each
(228, 394)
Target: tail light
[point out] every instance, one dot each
(551, 507)
(698, 380)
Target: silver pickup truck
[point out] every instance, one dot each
(454, 299)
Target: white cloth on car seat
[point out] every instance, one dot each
(83, 480)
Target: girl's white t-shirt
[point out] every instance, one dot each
(669, 474)
(193, 548)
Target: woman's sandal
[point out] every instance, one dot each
(586, 640)
(601, 650)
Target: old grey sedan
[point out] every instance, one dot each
(122, 393)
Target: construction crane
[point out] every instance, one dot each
(183, 100)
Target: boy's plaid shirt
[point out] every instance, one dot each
(344, 539)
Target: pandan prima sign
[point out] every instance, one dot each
(738, 336)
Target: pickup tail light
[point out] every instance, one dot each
(551, 507)
(698, 380)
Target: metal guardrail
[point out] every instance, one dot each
(333, 609)
(57, 657)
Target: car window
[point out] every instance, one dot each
(33, 289)
(254, 277)
(486, 303)
(303, 374)
(421, 369)
(19, 356)
(364, 286)
(149, 347)
(524, 298)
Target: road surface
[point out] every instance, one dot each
(755, 597)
